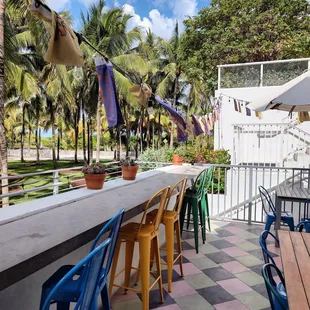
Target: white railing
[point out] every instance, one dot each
(59, 181)
(268, 144)
(260, 74)
(234, 192)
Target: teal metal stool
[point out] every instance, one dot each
(195, 203)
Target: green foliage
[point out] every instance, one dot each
(161, 155)
(127, 162)
(237, 31)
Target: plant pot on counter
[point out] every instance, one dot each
(95, 181)
(129, 172)
(177, 160)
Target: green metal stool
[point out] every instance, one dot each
(196, 204)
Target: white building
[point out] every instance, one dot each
(277, 139)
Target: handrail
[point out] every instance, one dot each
(263, 62)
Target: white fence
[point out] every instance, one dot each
(234, 192)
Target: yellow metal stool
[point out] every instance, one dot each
(147, 237)
(172, 224)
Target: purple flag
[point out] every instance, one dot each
(176, 118)
(197, 128)
(208, 132)
(248, 111)
(108, 94)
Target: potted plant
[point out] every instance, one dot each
(177, 157)
(129, 168)
(94, 175)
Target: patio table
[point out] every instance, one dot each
(73, 219)
(295, 247)
(290, 194)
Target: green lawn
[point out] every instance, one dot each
(17, 168)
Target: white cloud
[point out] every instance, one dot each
(160, 24)
(58, 5)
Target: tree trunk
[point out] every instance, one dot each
(88, 143)
(37, 139)
(53, 136)
(127, 128)
(153, 134)
(3, 146)
(83, 133)
(91, 140)
(76, 137)
(22, 135)
(175, 94)
(98, 130)
(29, 139)
(160, 132)
(40, 144)
(58, 142)
(141, 130)
(148, 132)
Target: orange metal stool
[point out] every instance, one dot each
(171, 221)
(147, 237)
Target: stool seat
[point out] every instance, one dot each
(131, 231)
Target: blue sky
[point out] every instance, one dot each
(158, 15)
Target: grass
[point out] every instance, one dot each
(16, 168)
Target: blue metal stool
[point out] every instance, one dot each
(70, 290)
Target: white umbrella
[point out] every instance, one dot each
(294, 96)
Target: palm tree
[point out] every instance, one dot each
(107, 32)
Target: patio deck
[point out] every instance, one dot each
(224, 275)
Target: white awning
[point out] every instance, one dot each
(293, 96)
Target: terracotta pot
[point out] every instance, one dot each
(130, 172)
(177, 160)
(94, 181)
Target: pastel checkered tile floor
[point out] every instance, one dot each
(224, 275)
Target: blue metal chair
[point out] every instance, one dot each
(262, 242)
(88, 271)
(71, 291)
(305, 222)
(278, 299)
(271, 215)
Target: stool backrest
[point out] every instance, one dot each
(91, 267)
(113, 227)
(278, 300)
(264, 195)
(203, 180)
(181, 187)
(262, 241)
(161, 198)
(304, 224)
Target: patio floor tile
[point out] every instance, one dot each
(188, 269)
(224, 232)
(191, 254)
(257, 269)
(234, 239)
(253, 300)
(218, 274)
(250, 278)
(194, 302)
(203, 263)
(234, 252)
(221, 244)
(198, 281)
(234, 267)
(119, 296)
(208, 249)
(234, 286)
(261, 289)
(247, 246)
(155, 301)
(175, 276)
(135, 304)
(231, 305)
(249, 260)
(215, 295)
(220, 257)
(180, 289)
